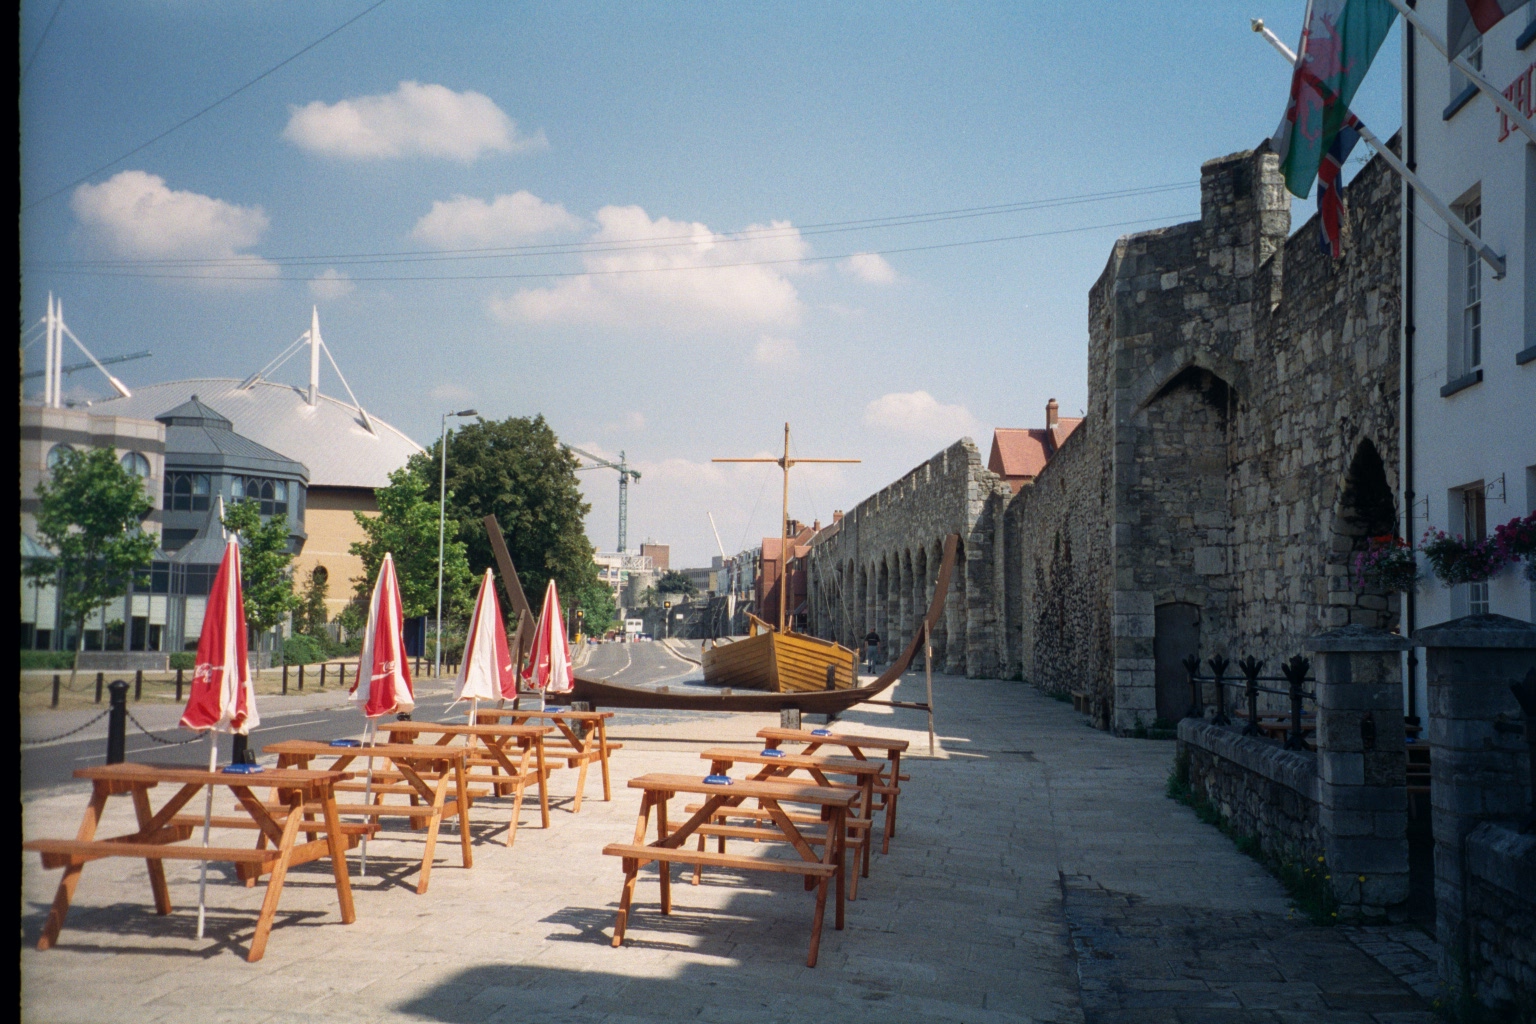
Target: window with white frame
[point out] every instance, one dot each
(1475, 519)
(1466, 305)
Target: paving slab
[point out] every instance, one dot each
(1038, 874)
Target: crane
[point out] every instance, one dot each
(625, 476)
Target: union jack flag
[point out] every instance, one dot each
(1330, 204)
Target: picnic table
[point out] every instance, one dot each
(433, 778)
(162, 835)
(887, 787)
(818, 870)
(583, 739)
(491, 746)
(781, 765)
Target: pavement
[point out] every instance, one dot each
(1038, 874)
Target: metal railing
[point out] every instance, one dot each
(1294, 673)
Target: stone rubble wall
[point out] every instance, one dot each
(1262, 789)
(1501, 914)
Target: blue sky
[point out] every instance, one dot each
(731, 134)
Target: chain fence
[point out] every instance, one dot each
(64, 735)
(160, 740)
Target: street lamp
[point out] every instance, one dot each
(442, 505)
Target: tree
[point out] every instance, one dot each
(265, 582)
(674, 582)
(310, 618)
(406, 527)
(516, 470)
(90, 513)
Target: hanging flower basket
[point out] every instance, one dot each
(1455, 561)
(1516, 542)
(1387, 564)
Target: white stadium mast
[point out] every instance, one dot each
(53, 362)
(316, 344)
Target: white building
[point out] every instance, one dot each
(1469, 338)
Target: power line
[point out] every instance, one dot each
(216, 103)
(26, 69)
(634, 244)
(628, 270)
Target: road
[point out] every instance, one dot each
(313, 716)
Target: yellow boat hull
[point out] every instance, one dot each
(780, 663)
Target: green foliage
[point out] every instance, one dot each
(46, 659)
(183, 660)
(674, 582)
(516, 470)
(90, 513)
(309, 616)
(264, 558)
(598, 609)
(406, 526)
(1309, 885)
(300, 649)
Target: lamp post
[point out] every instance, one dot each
(442, 505)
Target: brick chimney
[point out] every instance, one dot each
(1051, 409)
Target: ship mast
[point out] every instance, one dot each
(785, 463)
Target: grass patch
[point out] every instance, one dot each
(1308, 885)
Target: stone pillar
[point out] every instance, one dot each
(1478, 773)
(1362, 768)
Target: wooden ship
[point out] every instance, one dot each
(782, 662)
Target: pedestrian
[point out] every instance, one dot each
(872, 649)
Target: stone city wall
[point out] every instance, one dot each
(1262, 789)
(1501, 914)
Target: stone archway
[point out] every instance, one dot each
(1366, 508)
(882, 624)
(957, 616)
(940, 628)
(907, 601)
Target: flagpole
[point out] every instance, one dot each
(1492, 91)
(202, 879)
(1455, 223)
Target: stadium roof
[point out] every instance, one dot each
(332, 438)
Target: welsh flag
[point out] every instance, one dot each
(1339, 39)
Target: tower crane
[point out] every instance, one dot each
(625, 476)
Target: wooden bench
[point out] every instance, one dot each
(163, 835)
(509, 757)
(819, 870)
(583, 740)
(428, 773)
(887, 787)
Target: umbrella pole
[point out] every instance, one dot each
(474, 709)
(362, 871)
(202, 880)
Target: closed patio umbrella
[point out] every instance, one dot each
(222, 698)
(549, 670)
(486, 671)
(383, 683)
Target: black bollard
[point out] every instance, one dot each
(178, 686)
(322, 675)
(301, 676)
(117, 723)
(285, 678)
(100, 681)
(55, 691)
(1251, 667)
(1218, 668)
(138, 685)
(1197, 699)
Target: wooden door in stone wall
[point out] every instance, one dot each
(1177, 637)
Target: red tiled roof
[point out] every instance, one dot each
(1019, 454)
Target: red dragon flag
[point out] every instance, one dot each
(383, 683)
(222, 697)
(550, 669)
(1339, 39)
(487, 671)
(1467, 20)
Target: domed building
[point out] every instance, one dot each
(347, 452)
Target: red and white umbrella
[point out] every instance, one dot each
(222, 697)
(549, 670)
(383, 683)
(487, 672)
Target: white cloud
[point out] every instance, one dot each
(331, 284)
(919, 414)
(414, 120)
(659, 286)
(468, 221)
(136, 215)
(869, 267)
(772, 351)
